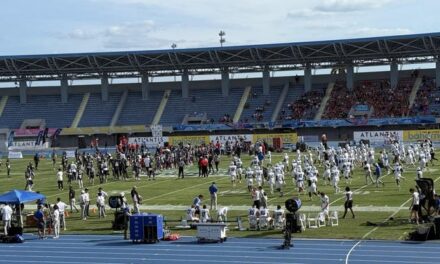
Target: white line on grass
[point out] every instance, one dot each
(110, 182)
(392, 215)
(165, 194)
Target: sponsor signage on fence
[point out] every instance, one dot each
(15, 155)
(287, 138)
(70, 154)
(416, 135)
(193, 140)
(385, 136)
(27, 145)
(230, 138)
(150, 142)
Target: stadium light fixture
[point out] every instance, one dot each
(174, 46)
(221, 34)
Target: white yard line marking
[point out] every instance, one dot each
(190, 187)
(392, 215)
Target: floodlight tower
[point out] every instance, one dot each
(221, 34)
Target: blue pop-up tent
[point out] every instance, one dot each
(18, 197)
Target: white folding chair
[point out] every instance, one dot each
(333, 219)
(253, 222)
(183, 224)
(320, 221)
(302, 221)
(279, 221)
(263, 223)
(312, 222)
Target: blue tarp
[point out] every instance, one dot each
(20, 196)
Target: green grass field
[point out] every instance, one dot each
(169, 196)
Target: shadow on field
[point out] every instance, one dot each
(391, 222)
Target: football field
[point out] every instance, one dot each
(381, 213)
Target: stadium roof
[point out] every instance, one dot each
(419, 48)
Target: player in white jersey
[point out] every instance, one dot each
(271, 179)
(298, 155)
(419, 173)
(204, 214)
(249, 179)
(239, 165)
(385, 161)
(255, 161)
(325, 204)
(286, 161)
(335, 178)
(269, 157)
(327, 175)
(422, 160)
(410, 156)
(300, 180)
(279, 180)
(312, 187)
(397, 173)
(347, 174)
(258, 172)
(233, 173)
(368, 174)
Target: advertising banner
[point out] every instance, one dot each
(193, 140)
(384, 137)
(15, 155)
(230, 138)
(27, 145)
(416, 135)
(70, 153)
(287, 138)
(150, 142)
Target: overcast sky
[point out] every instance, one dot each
(65, 26)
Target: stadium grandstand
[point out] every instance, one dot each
(308, 102)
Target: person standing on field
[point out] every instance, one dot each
(72, 199)
(213, 191)
(6, 217)
(414, 216)
(348, 201)
(60, 179)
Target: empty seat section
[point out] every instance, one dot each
(259, 107)
(137, 111)
(99, 113)
(208, 101)
(47, 107)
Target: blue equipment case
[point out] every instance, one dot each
(146, 228)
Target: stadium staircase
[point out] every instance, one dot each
(280, 103)
(415, 89)
(161, 107)
(118, 110)
(3, 102)
(80, 111)
(323, 105)
(243, 101)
